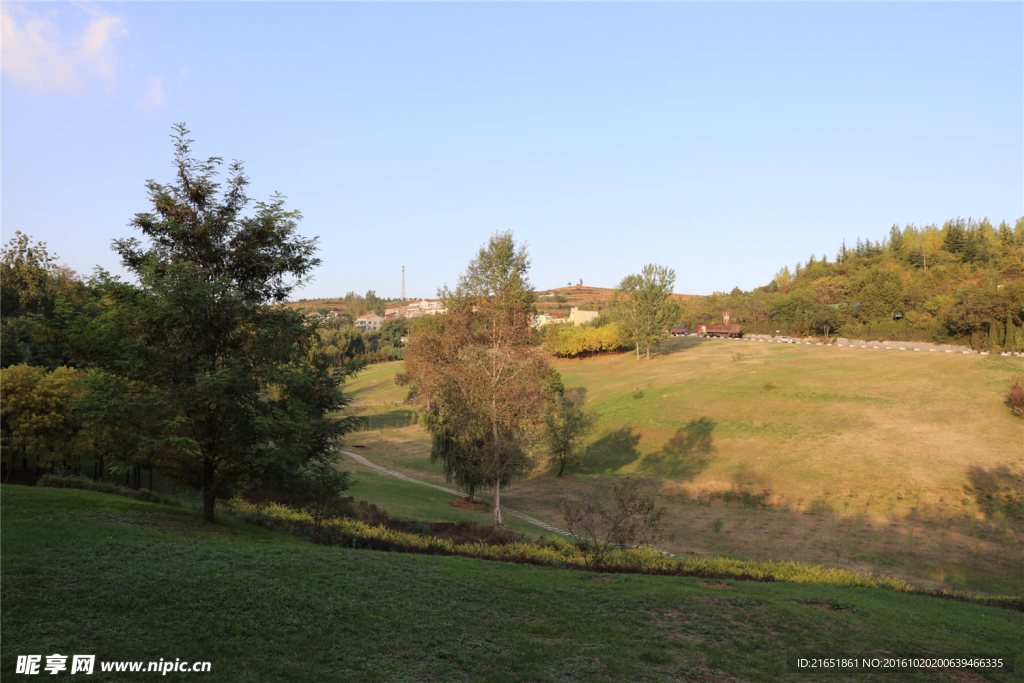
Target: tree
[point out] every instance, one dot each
(31, 287)
(393, 331)
(480, 373)
(38, 419)
(200, 336)
(566, 424)
(826, 318)
(643, 306)
(626, 518)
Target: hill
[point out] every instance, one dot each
(90, 573)
(962, 283)
(906, 464)
(562, 299)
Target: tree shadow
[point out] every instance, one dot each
(999, 494)
(687, 453)
(612, 452)
(403, 417)
(679, 344)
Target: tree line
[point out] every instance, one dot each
(960, 282)
(193, 369)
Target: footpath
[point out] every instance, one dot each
(504, 510)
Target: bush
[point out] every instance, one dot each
(568, 341)
(1015, 396)
(56, 481)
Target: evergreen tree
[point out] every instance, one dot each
(895, 239)
(201, 342)
(955, 240)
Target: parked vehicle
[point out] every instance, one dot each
(719, 331)
(786, 340)
(679, 331)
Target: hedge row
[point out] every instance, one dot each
(556, 552)
(57, 481)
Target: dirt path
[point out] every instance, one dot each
(504, 510)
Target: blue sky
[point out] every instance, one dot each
(722, 139)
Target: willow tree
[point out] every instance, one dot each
(480, 372)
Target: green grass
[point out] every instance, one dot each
(91, 573)
(413, 501)
(904, 463)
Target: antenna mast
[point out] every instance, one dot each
(403, 283)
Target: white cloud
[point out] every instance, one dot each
(154, 96)
(35, 53)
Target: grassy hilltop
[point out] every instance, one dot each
(91, 573)
(905, 463)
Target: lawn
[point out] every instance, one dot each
(90, 573)
(904, 463)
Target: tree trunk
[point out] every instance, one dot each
(562, 468)
(497, 468)
(209, 500)
(472, 488)
(209, 493)
(648, 352)
(150, 478)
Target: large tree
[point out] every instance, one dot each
(199, 343)
(643, 306)
(480, 372)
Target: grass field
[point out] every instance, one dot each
(904, 463)
(91, 573)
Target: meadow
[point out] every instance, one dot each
(901, 463)
(94, 573)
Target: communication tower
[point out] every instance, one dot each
(403, 283)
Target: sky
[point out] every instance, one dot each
(724, 140)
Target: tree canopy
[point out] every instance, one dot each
(234, 393)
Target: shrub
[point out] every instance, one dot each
(1015, 396)
(56, 481)
(627, 518)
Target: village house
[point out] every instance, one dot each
(371, 322)
(415, 309)
(578, 317)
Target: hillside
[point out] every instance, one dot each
(962, 282)
(562, 299)
(906, 464)
(90, 573)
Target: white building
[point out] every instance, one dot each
(371, 322)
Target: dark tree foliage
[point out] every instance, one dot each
(226, 377)
(32, 287)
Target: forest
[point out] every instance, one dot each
(962, 282)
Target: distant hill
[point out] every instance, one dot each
(560, 299)
(555, 300)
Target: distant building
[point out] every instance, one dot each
(578, 317)
(415, 309)
(371, 322)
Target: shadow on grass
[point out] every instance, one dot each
(687, 453)
(999, 494)
(678, 344)
(395, 418)
(612, 452)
